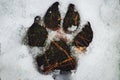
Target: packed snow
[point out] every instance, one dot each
(101, 61)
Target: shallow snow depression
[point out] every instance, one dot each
(101, 61)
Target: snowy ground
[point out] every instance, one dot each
(102, 59)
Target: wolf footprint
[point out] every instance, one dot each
(58, 55)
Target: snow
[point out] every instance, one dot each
(100, 61)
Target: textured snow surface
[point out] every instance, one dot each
(100, 62)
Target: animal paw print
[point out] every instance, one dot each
(54, 37)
